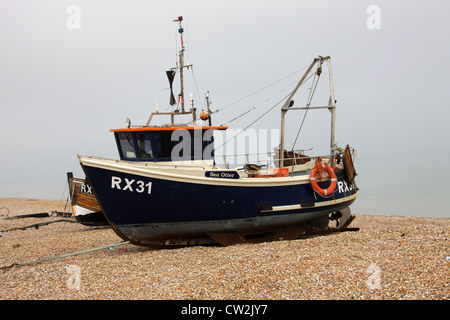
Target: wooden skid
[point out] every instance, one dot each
(282, 233)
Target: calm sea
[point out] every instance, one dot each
(417, 186)
(414, 186)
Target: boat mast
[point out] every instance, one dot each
(208, 108)
(332, 108)
(182, 66)
(170, 75)
(181, 56)
(288, 105)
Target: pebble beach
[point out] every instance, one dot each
(382, 257)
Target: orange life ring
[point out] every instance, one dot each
(331, 188)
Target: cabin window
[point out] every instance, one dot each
(145, 146)
(193, 145)
(126, 145)
(165, 144)
(208, 144)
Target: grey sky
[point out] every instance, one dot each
(61, 90)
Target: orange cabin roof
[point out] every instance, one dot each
(168, 128)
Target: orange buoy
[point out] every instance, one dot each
(204, 115)
(313, 178)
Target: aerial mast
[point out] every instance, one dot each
(208, 108)
(171, 75)
(182, 66)
(181, 56)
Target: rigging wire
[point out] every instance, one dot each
(265, 113)
(257, 91)
(307, 105)
(239, 116)
(196, 88)
(255, 120)
(253, 108)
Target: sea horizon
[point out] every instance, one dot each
(404, 187)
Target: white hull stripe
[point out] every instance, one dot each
(318, 204)
(189, 175)
(314, 178)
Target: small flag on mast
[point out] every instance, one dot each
(171, 76)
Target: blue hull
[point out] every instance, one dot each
(148, 211)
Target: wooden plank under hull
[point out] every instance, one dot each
(283, 233)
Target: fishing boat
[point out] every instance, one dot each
(167, 190)
(85, 206)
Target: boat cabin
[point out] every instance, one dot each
(158, 144)
(171, 142)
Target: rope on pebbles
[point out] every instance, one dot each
(109, 246)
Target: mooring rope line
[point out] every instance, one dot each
(37, 225)
(109, 246)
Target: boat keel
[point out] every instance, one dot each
(283, 233)
(320, 226)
